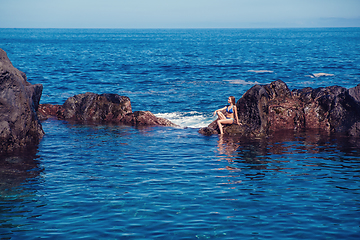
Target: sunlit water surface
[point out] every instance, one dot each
(96, 181)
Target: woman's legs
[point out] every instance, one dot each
(221, 115)
(224, 121)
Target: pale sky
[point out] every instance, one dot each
(178, 13)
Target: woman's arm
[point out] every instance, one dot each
(219, 110)
(236, 115)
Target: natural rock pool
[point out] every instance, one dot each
(120, 182)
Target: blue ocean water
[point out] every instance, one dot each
(121, 182)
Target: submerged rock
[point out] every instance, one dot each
(104, 108)
(264, 109)
(19, 101)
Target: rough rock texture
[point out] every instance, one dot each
(269, 108)
(105, 108)
(145, 118)
(96, 108)
(19, 101)
(46, 111)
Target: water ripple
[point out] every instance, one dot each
(113, 182)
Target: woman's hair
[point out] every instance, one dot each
(232, 99)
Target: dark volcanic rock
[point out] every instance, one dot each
(273, 107)
(95, 107)
(335, 109)
(89, 107)
(208, 131)
(105, 108)
(19, 100)
(46, 111)
(145, 118)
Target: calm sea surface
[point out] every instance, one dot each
(121, 182)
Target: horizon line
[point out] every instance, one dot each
(175, 27)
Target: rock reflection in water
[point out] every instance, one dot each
(17, 167)
(15, 171)
(261, 153)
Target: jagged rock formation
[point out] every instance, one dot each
(272, 107)
(104, 108)
(19, 101)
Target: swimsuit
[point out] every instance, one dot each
(230, 112)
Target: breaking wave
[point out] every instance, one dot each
(188, 119)
(316, 75)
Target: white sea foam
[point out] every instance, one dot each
(261, 71)
(188, 119)
(316, 75)
(241, 82)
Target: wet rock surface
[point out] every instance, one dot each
(265, 109)
(19, 101)
(104, 108)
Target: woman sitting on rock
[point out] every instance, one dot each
(230, 112)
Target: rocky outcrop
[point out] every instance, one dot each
(46, 111)
(104, 108)
(96, 108)
(19, 101)
(265, 109)
(145, 118)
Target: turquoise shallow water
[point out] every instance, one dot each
(120, 182)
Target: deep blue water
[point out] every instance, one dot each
(120, 182)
